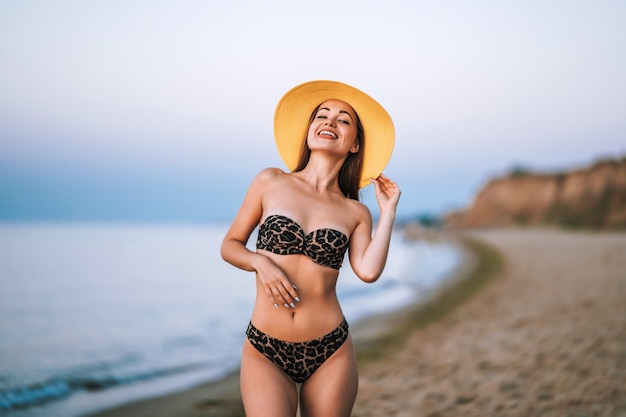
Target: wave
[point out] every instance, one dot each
(62, 387)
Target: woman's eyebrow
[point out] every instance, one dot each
(340, 111)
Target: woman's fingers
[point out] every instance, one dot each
(387, 191)
(283, 294)
(286, 300)
(277, 287)
(387, 185)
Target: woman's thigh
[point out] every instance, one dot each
(265, 389)
(332, 389)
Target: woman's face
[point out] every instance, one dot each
(334, 127)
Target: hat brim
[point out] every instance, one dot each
(294, 109)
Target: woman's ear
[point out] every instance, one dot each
(354, 148)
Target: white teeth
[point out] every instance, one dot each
(328, 132)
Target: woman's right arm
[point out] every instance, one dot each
(235, 252)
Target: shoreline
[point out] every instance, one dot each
(543, 332)
(381, 335)
(374, 337)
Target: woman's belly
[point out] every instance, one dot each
(317, 313)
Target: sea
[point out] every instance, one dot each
(93, 316)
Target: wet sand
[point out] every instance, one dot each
(545, 335)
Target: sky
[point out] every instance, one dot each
(162, 111)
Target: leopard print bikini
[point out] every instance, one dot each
(299, 360)
(327, 247)
(283, 236)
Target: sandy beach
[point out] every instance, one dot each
(545, 336)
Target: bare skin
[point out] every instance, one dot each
(296, 298)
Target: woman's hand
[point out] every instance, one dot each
(277, 287)
(387, 193)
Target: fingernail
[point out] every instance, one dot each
(286, 305)
(292, 305)
(298, 299)
(275, 305)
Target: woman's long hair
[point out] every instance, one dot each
(350, 172)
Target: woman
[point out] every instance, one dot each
(334, 139)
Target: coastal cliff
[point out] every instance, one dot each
(593, 197)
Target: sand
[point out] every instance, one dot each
(545, 337)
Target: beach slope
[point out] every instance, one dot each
(547, 337)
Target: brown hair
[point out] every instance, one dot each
(350, 172)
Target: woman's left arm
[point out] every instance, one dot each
(368, 254)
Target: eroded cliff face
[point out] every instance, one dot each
(593, 197)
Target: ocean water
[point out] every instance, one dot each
(93, 315)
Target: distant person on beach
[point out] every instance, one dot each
(335, 139)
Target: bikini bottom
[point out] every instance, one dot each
(299, 360)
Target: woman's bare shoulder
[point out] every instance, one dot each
(268, 175)
(360, 212)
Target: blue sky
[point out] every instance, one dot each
(162, 111)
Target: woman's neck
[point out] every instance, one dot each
(322, 174)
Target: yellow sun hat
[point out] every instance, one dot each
(292, 117)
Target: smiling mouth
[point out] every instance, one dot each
(328, 133)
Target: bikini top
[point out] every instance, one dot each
(283, 236)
